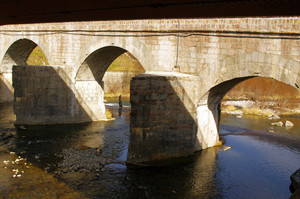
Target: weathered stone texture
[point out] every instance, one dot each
(163, 117)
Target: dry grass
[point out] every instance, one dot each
(109, 114)
(285, 99)
(126, 63)
(37, 57)
(229, 108)
(257, 111)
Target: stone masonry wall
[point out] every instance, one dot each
(203, 44)
(45, 95)
(221, 49)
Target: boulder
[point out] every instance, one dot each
(295, 179)
(273, 117)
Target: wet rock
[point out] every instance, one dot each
(6, 136)
(273, 117)
(22, 127)
(295, 185)
(295, 178)
(288, 124)
(277, 124)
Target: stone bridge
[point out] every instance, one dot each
(190, 65)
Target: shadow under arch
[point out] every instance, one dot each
(16, 54)
(216, 94)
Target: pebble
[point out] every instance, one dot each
(277, 124)
(84, 161)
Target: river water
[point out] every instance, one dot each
(88, 161)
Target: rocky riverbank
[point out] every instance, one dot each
(270, 109)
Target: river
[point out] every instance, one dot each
(88, 161)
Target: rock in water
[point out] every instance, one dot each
(288, 123)
(277, 124)
(22, 127)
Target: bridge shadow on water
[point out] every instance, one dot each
(88, 158)
(91, 157)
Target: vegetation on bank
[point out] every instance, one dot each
(270, 97)
(37, 57)
(265, 112)
(263, 89)
(126, 63)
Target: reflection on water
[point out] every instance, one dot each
(88, 160)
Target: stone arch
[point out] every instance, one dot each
(96, 64)
(260, 64)
(18, 51)
(233, 70)
(137, 48)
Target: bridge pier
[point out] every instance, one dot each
(165, 121)
(46, 95)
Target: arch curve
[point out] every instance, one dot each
(231, 71)
(96, 64)
(17, 52)
(260, 64)
(135, 47)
